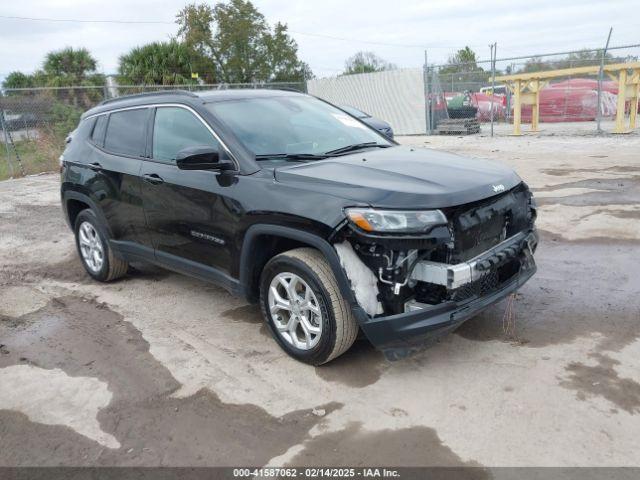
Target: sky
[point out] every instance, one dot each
(329, 31)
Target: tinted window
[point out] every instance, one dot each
(125, 132)
(98, 130)
(175, 129)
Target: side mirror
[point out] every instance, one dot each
(202, 158)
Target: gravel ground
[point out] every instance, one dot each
(161, 369)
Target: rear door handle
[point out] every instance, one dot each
(152, 178)
(95, 166)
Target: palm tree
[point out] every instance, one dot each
(70, 63)
(158, 63)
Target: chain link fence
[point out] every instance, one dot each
(577, 102)
(469, 97)
(452, 98)
(34, 122)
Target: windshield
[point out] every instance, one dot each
(293, 125)
(354, 111)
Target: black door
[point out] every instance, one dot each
(113, 169)
(190, 214)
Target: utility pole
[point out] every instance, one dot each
(600, 77)
(494, 48)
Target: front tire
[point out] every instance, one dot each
(96, 255)
(302, 304)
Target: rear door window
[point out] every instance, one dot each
(176, 129)
(126, 132)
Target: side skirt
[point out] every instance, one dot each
(133, 252)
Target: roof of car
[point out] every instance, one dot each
(205, 96)
(240, 93)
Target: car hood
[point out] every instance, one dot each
(402, 177)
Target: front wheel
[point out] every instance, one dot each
(303, 306)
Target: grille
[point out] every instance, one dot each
(488, 283)
(478, 288)
(481, 226)
(479, 238)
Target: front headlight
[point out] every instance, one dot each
(395, 221)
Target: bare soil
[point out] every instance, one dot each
(161, 369)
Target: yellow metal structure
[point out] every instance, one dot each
(526, 91)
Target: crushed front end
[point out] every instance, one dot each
(435, 269)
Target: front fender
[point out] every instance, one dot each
(249, 245)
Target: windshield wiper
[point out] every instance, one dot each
(291, 156)
(356, 146)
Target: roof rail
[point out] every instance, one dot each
(148, 94)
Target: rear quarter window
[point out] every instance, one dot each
(97, 136)
(126, 132)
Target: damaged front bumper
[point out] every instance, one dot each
(402, 334)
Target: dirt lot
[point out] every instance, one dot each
(161, 369)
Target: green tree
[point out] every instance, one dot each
(463, 61)
(282, 54)
(194, 27)
(462, 71)
(195, 32)
(63, 118)
(582, 58)
(53, 112)
(366, 62)
(74, 66)
(239, 42)
(157, 63)
(62, 68)
(535, 64)
(18, 80)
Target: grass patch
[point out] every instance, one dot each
(37, 155)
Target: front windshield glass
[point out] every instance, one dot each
(354, 111)
(290, 125)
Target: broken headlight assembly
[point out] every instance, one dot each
(373, 220)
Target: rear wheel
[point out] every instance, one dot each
(303, 306)
(97, 258)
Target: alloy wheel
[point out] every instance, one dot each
(295, 310)
(91, 247)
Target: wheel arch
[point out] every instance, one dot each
(74, 207)
(74, 202)
(270, 240)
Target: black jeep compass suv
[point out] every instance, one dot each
(292, 202)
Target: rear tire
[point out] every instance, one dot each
(328, 315)
(94, 251)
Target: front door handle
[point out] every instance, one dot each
(152, 178)
(95, 166)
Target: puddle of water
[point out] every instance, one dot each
(85, 338)
(360, 366)
(408, 447)
(244, 313)
(602, 380)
